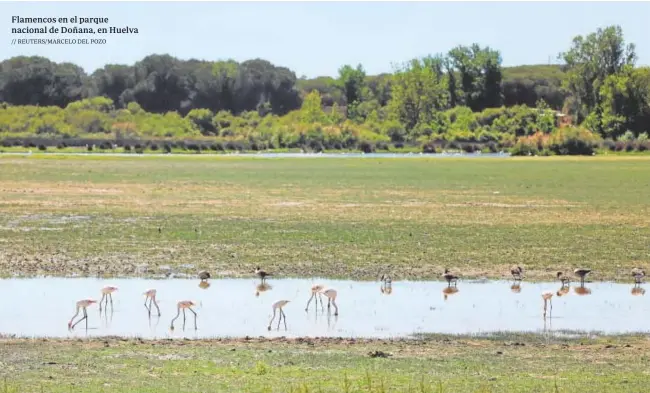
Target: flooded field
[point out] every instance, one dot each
(42, 307)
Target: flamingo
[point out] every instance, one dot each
(262, 274)
(331, 299)
(316, 291)
(81, 305)
(204, 275)
(516, 272)
(450, 277)
(184, 304)
(582, 273)
(278, 306)
(107, 292)
(150, 295)
(547, 296)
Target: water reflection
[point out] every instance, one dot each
(261, 288)
(564, 290)
(449, 291)
(107, 317)
(416, 307)
(638, 291)
(582, 290)
(515, 288)
(204, 284)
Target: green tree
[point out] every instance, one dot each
(589, 62)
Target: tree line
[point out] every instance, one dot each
(464, 94)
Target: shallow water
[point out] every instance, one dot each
(280, 155)
(230, 307)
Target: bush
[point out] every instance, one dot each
(366, 147)
(573, 141)
(42, 147)
(127, 147)
(167, 148)
(89, 147)
(154, 146)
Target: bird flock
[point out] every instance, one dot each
(319, 291)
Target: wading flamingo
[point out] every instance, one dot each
(182, 305)
(150, 295)
(582, 273)
(107, 292)
(331, 299)
(204, 275)
(450, 278)
(278, 306)
(547, 296)
(316, 293)
(81, 305)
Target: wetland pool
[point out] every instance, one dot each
(42, 307)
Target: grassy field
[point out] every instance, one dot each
(435, 364)
(352, 218)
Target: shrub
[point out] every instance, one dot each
(366, 147)
(127, 147)
(167, 148)
(89, 147)
(572, 141)
(42, 147)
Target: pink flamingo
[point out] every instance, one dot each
(182, 305)
(150, 295)
(278, 306)
(107, 292)
(547, 296)
(316, 291)
(81, 305)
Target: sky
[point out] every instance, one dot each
(317, 38)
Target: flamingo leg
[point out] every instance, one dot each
(100, 302)
(177, 315)
(145, 303)
(309, 301)
(272, 318)
(321, 302)
(156, 304)
(280, 319)
(193, 312)
(73, 317)
(85, 317)
(336, 308)
(111, 296)
(285, 319)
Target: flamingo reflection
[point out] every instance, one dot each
(515, 287)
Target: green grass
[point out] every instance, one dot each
(438, 364)
(353, 218)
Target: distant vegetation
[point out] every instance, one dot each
(463, 99)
